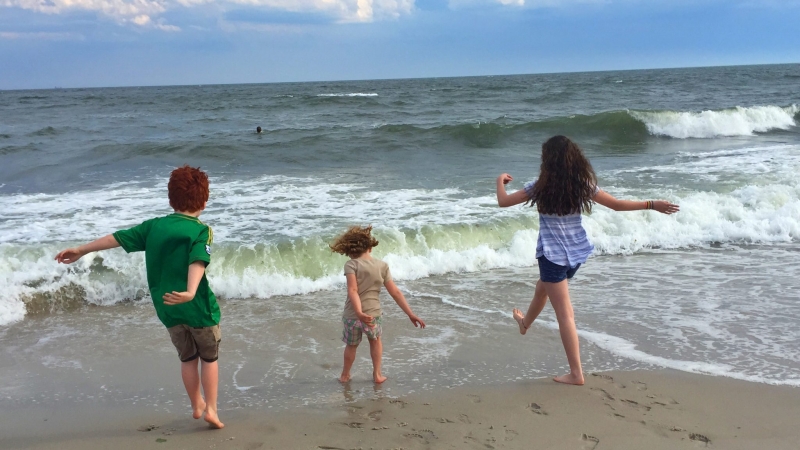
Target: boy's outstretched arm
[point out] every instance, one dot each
(608, 200)
(398, 297)
(71, 255)
(355, 299)
(196, 271)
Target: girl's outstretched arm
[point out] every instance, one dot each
(608, 200)
(398, 297)
(503, 198)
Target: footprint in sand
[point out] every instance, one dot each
(700, 438)
(253, 445)
(463, 418)
(375, 415)
(424, 435)
(469, 439)
(150, 427)
(634, 404)
(589, 442)
(353, 424)
(604, 393)
(474, 398)
(639, 385)
(398, 402)
(536, 409)
(510, 435)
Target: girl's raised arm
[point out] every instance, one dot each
(503, 198)
(608, 200)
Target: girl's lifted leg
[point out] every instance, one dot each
(535, 308)
(376, 352)
(349, 358)
(559, 298)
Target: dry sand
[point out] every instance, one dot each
(615, 410)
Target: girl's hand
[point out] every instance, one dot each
(416, 321)
(365, 319)
(505, 178)
(665, 207)
(69, 255)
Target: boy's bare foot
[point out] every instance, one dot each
(570, 379)
(197, 411)
(378, 379)
(520, 318)
(213, 420)
(344, 378)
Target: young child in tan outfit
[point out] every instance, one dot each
(362, 309)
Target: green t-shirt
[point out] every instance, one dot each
(170, 245)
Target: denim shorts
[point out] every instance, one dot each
(550, 272)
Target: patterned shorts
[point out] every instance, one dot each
(354, 328)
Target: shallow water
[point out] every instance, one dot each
(707, 290)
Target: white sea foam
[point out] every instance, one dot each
(423, 232)
(739, 121)
(351, 94)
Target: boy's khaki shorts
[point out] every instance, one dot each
(196, 342)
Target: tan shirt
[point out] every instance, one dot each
(371, 274)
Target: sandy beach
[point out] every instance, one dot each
(615, 410)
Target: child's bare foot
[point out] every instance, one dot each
(197, 411)
(520, 318)
(213, 420)
(344, 378)
(378, 379)
(570, 378)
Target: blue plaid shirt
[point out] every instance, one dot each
(562, 239)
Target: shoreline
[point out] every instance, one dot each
(621, 410)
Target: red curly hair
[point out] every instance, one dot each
(188, 189)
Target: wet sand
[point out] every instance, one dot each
(614, 410)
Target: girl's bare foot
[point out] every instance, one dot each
(520, 318)
(197, 411)
(570, 378)
(213, 420)
(344, 378)
(378, 379)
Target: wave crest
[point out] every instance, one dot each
(739, 121)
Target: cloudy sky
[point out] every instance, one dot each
(75, 43)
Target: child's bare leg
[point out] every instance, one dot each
(535, 308)
(210, 377)
(559, 298)
(376, 352)
(191, 381)
(349, 358)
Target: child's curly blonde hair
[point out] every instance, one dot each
(354, 242)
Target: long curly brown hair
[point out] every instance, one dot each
(354, 242)
(566, 181)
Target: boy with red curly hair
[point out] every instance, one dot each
(177, 249)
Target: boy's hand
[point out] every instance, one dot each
(367, 320)
(176, 298)
(416, 321)
(69, 255)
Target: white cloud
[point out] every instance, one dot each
(145, 13)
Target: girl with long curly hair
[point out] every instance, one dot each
(566, 187)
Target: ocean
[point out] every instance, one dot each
(712, 289)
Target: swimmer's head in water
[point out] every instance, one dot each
(258, 129)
